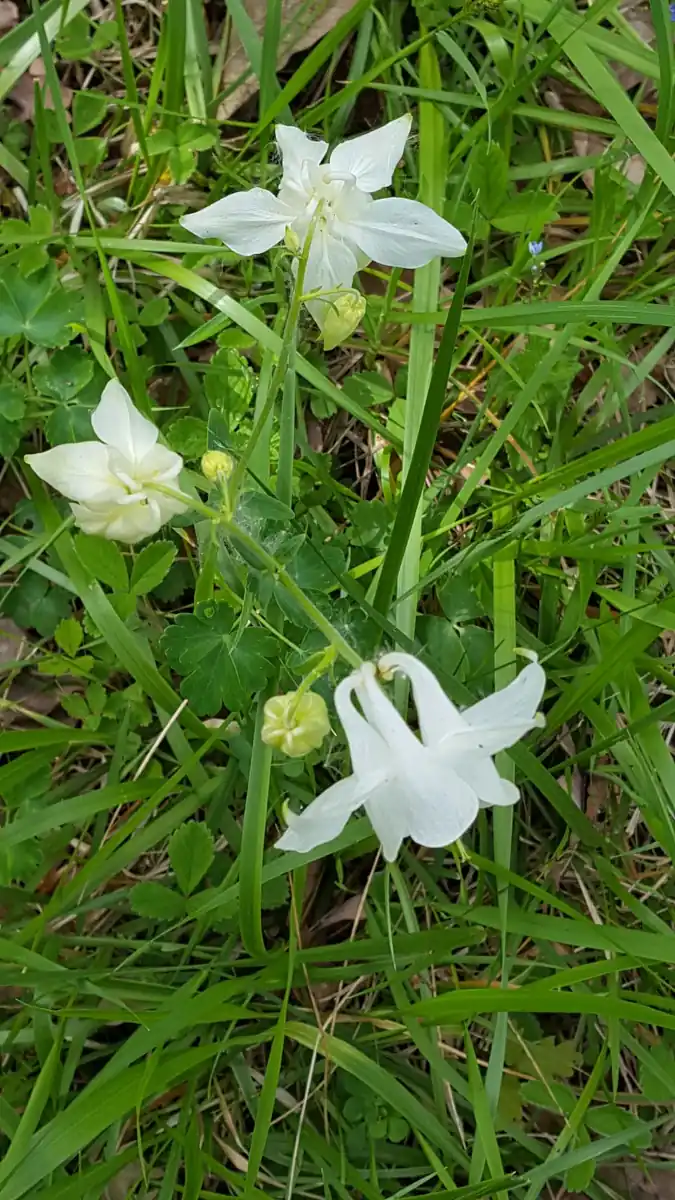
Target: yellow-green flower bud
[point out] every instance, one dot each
(217, 465)
(291, 240)
(295, 724)
(344, 313)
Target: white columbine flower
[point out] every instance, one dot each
(114, 481)
(428, 788)
(351, 229)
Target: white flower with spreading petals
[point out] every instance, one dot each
(114, 481)
(428, 788)
(351, 227)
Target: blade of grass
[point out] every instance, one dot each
(504, 620)
(420, 411)
(421, 448)
(253, 840)
(486, 1147)
(267, 1098)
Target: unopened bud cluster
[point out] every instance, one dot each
(295, 723)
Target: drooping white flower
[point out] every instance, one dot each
(351, 228)
(113, 482)
(428, 788)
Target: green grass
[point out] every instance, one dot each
(485, 467)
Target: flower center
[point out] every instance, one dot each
(137, 490)
(133, 486)
(326, 187)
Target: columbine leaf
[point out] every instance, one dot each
(191, 853)
(38, 604)
(188, 436)
(69, 423)
(222, 666)
(555, 1060)
(229, 383)
(10, 437)
(317, 570)
(65, 374)
(36, 307)
(12, 399)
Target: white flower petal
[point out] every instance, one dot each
(479, 771)
(78, 470)
(436, 713)
(168, 506)
(136, 517)
(296, 147)
(248, 222)
(387, 810)
(118, 423)
(503, 718)
(426, 797)
(385, 717)
(441, 805)
(330, 264)
(369, 753)
(93, 520)
(324, 818)
(160, 465)
(402, 233)
(371, 158)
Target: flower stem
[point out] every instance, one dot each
(326, 661)
(287, 345)
(287, 429)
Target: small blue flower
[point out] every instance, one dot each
(536, 248)
(672, 12)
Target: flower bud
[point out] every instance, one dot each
(343, 314)
(295, 723)
(217, 465)
(291, 240)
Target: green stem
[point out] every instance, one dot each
(253, 839)
(326, 661)
(284, 486)
(288, 342)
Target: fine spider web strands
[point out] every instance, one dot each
(336, 739)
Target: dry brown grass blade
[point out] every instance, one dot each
(303, 23)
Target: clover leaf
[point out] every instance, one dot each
(222, 665)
